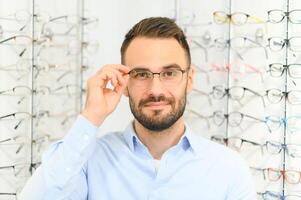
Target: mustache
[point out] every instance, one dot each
(155, 99)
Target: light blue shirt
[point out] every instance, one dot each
(118, 166)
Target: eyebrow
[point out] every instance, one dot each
(169, 66)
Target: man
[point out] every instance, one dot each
(157, 156)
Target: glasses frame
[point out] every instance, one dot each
(284, 14)
(229, 18)
(160, 74)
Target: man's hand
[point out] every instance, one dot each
(101, 101)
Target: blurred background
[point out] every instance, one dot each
(247, 92)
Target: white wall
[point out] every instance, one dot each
(116, 17)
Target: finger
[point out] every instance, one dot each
(120, 76)
(118, 70)
(113, 78)
(122, 68)
(103, 78)
(120, 88)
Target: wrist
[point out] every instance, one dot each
(93, 118)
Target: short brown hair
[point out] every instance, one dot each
(156, 27)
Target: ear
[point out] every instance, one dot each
(190, 78)
(126, 92)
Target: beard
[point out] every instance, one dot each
(157, 120)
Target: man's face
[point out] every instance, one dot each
(155, 104)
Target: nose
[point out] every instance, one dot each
(156, 87)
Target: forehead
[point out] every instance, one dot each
(154, 53)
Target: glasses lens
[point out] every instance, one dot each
(295, 44)
(219, 139)
(292, 197)
(274, 95)
(294, 150)
(23, 67)
(22, 91)
(275, 16)
(239, 18)
(91, 23)
(295, 16)
(274, 174)
(294, 124)
(234, 143)
(220, 43)
(140, 75)
(292, 177)
(171, 76)
(21, 40)
(22, 16)
(271, 196)
(18, 116)
(218, 92)
(220, 17)
(236, 93)
(276, 69)
(218, 118)
(42, 17)
(273, 122)
(72, 19)
(273, 147)
(92, 47)
(239, 42)
(235, 119)
(294, 70)
(276, 43)
(294, 97)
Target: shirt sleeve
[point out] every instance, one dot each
(62, 174)
(243, 185)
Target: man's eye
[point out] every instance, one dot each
(142, 75)
(170, 73)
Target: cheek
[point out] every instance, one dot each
(181, 92)
(135, 96)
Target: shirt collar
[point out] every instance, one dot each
(189, 139)
(130, 136)
(199, 145)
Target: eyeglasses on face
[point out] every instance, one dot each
(169, 76)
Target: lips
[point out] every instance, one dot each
(156, 105)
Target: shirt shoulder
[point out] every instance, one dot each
(218, 153)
